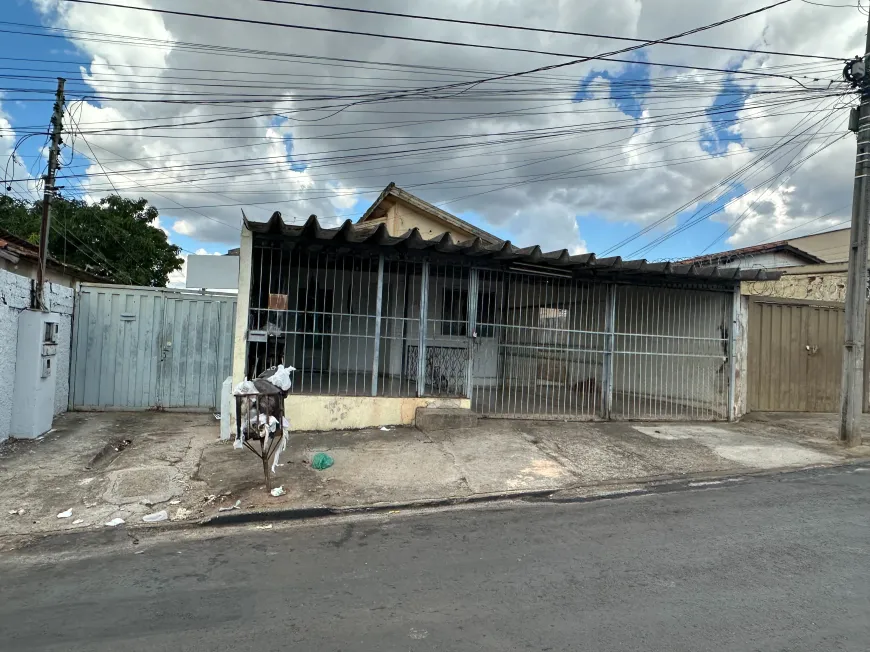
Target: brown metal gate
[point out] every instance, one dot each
(795, 355)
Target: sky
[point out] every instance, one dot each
(667, 153)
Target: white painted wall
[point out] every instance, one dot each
(765, 261)
(212, 272)
(14, 298)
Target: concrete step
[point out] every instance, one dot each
(444, 418)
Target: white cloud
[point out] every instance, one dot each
(528, 163)
(183, 227)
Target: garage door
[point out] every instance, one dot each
(795, 355)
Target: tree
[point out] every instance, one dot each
(115, 238)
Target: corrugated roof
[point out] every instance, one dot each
(376, 235)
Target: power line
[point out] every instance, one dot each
(524, 28)
(576, 59)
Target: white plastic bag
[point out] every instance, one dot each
(245, 387)
(282, 378)
(281, 448)
(156, 517)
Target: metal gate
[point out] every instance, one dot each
(139, 348)
(554, 347)
(795, 355)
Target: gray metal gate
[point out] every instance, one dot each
(139, 348)
(551, 347)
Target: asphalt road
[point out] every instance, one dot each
(777, 564)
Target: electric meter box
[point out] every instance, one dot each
(35, 374)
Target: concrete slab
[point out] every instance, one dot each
(47, 476)
(369, 473)
(498, 460)
(145, 485)
(751, 450)
(602, 452)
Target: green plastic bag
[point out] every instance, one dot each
(321, 461)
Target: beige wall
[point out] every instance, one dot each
(401, 217)
(317, 412)
(821, 286)
(242, 309)
(832, 247)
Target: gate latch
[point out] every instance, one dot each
(812, 349)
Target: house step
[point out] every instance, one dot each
(445, 418)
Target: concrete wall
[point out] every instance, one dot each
(832, 247)
(15, 298)
(811, 285)
(27, 268)
(240, 348)
(308, 412)
(741, 357)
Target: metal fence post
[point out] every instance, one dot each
(609, 347)
(421, 331)
(732, 350)
(473, 292)
(379, 302)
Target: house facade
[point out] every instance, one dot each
(803, 273)
(379, 322)
(18, 264)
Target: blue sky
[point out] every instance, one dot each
(598, 232)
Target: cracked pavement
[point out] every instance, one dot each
(176, 462)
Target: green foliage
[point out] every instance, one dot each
(114, 238)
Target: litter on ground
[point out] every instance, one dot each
(278, 491)
(321, 461)
(180, 514)
(156, 517)
(78, 521)
(385, 429)
(115, 522)
(65, 514)
(174, 502)
(264, 527)
(237, 505)
(16, 512)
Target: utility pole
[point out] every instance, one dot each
(852, 388)
(48, 192)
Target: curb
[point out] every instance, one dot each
(638, 487)
(303, 513)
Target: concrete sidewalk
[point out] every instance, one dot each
(126, 465)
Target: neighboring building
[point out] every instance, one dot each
(379, 322)
(830, 246)
(812, 267)
(764, 256)
(20, 257)
(18, 264)
(401, 211)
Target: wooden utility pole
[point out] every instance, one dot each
(48, 192)
(852, 388)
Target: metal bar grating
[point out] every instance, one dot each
(519, 343)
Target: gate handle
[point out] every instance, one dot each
(812, 349)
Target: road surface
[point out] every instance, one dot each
(773, 564)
